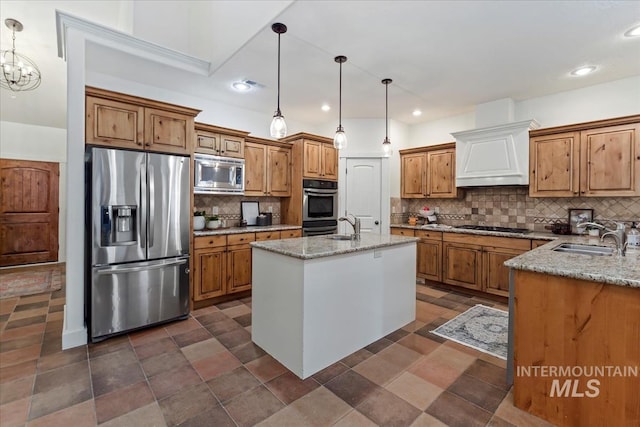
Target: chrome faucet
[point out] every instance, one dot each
(618, 234)
(355, 224)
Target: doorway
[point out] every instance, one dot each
(365, 193)
(28, 212)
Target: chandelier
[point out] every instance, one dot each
(18, 72)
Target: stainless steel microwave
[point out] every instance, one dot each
(218, 175)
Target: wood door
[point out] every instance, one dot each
(441, 174)
(554, 165)
(231, 146)
(210, 273)
(462, 265)
(329, 162)
(255, 172)
(28, 212)
(312, 159)
(429, 261)
(207, 143)
(279, 171)
(238, 268)
(610, 160)
(167, 132)
(413, 175)
(113, 123)
(496, 275)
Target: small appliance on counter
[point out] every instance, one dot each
(265, 218)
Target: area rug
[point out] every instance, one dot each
(480, 327)
(29, 283)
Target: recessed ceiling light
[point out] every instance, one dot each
(583, 71)
(633, 32)
(417, 113)
(243, 85)
(325, 107)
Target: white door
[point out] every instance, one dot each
(362, 194)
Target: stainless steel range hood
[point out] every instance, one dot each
(496, 154)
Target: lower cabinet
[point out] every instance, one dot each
(477, 262)
(222, 263)
(466, 260)
(429, 261)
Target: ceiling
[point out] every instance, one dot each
(444, 57)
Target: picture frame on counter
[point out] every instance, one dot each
(577, 216)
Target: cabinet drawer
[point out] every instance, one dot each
(431, 235)
(209, 241)
(402, 232)
(289, 234)
(239, 239)
(495, 241)
(267, 235)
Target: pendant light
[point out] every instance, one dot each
(386, 144)
(340, 140)
(278, 126)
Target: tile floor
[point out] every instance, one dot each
(205, 371)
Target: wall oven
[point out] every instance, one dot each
(319, 207)
(218, 175)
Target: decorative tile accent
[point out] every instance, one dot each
(512, 207)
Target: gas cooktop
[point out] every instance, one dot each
(493, 228)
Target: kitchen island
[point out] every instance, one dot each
(575, 335)
(316, 300)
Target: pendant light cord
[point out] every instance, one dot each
(278, 73)
(386, 113)
(340, 99)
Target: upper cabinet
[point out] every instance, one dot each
(124, 121)
(592, 159)
(314, 157)
(320, 160)
(428, 172)
(219, 141)
(267, 168)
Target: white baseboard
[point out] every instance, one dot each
(74, 338)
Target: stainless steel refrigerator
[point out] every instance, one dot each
(138, 212)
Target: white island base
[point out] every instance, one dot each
(311, 313)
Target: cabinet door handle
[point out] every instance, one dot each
(376, 222)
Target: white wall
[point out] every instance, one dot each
(614, 99)
(40, 143)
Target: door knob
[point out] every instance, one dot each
(376, 222)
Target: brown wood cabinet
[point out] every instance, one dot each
(219, 141)
(592, 159)
(320, 160)
(267, 168)
(313, 157)
(429, 255)
(124, 121)
(566, 322)
(538, 242)
(476, 262)
(429, 172)
(222, 263)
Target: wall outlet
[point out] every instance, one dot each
(214, 210)
(271, 209)
(436, 210)
(404, 209)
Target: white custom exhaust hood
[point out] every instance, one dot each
(496, 153)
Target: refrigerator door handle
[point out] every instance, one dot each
(123, 270)
(142, 222)
(152, 202)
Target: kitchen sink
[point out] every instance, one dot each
(584, 249)
(339, 237)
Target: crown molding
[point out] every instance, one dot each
(125, 43)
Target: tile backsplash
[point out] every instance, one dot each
(229, 206)
(512, 207)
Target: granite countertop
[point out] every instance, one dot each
(452, 229)
(614, 269)
(321, 246)
(247, 229)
